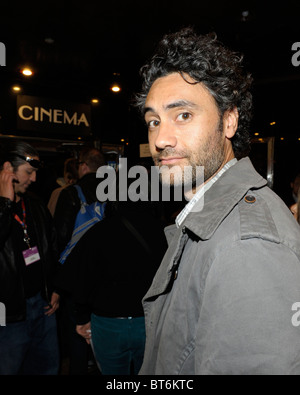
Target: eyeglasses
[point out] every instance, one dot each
(33, 162)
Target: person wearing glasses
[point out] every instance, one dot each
(28, 261)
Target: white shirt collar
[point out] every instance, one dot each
(188, 208)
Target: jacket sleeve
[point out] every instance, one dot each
(246, 322)
(46, 238)
(75, 277)
(64, 216)
(5, 219)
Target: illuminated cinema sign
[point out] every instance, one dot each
(47, 115)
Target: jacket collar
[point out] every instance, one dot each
(222, 197)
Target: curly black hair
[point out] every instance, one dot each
(208, 61)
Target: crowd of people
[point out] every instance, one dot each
(101, 283)
(212, 293)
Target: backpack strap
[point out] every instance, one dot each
(80, 194)
(136, 234)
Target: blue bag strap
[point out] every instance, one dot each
(80, 193)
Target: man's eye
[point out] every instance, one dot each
(184, 116)
(153, 124)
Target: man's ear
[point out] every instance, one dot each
(230, 122)
(85, 169)
(7, 166)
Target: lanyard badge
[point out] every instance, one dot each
(30, 255)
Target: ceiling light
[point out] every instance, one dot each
(115, 88)
(95, 101)
(26, 71)
(16, 88)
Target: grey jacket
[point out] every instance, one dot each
(224, 300)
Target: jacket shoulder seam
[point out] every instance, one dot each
(256, 220)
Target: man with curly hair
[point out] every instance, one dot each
(223, 299)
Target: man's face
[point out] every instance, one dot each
(26, 174)
(184, 126)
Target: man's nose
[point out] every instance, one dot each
(166, 136)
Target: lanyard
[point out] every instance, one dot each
(23, 223)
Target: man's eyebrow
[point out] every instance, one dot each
(147, 109)
(176, 104)
(181, 103)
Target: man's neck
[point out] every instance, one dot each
(17, 198)
(190, 193)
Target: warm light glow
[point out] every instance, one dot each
(27, 72)
(122, 140)
(115, 88)
(281, 138)
(272, 123)
(95, 101)
(256, 134)
(16, 88)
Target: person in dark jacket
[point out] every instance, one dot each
(107, 273)
(67, 207)
(68, 204)
(28, 259)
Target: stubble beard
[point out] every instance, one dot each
(210, 156)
